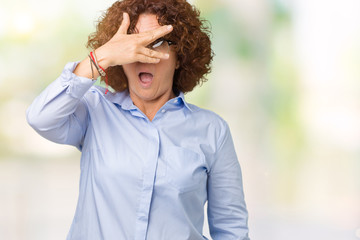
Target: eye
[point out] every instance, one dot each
(157, 43)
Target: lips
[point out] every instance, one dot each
(145, 79)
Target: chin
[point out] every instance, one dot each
(146, 95)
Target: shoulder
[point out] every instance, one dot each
(205, 114)
(208, 118)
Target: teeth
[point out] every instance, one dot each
(142, 73)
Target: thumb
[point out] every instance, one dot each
(124, 24)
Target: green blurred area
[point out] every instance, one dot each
(289, 92)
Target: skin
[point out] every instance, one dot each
(130, 51)
(149, 97)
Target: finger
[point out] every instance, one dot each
(146, 59)
(150, 36)
(124, 24)
(154, 54)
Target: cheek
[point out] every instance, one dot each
(129, 70)
(170, 65)
(174, 59)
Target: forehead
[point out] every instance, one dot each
(146, 22)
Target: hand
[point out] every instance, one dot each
(125, 48)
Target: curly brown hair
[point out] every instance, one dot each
(190, 34)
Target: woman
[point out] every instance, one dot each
(150, 160)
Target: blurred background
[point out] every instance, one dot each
(286, 77)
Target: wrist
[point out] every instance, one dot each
(101, 70)
(102, 59)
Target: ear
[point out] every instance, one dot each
(177, 64)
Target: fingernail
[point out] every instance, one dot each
(167, 55)
(169, 27)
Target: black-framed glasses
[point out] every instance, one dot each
(161, 45)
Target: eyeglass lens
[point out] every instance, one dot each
(160, 46)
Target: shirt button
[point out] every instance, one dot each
(163, 110)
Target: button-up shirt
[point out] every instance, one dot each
(143, 179)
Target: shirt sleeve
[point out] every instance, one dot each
(60, 113)
(227, 213)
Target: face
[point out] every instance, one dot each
(150, 82)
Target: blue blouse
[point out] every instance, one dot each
(143, 179)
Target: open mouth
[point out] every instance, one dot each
(145, 78)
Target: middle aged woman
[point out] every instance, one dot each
(150, 160)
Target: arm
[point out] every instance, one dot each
(227, 213)
(60, 113)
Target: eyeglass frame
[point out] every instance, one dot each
(157, 41)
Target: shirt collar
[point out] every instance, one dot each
(124, 101)
(181, 99)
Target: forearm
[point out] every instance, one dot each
(227, 213)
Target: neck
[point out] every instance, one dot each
(152, 106)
